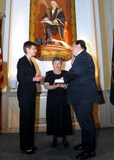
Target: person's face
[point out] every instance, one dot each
(53, 5)
(75, 49)
(57, 65)
(32, 51)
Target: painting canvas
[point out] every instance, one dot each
(52, 28)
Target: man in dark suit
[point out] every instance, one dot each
(81, 94)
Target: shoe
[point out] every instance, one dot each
(66, 144)
(34, 148)
(30, 151)
(85, 155)
(54, 143)
(79, 147)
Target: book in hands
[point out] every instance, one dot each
(49, 22)
(59, 81)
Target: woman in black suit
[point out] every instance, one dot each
(26, 94)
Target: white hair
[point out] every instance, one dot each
(55, 4)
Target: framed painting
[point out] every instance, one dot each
(52, 28)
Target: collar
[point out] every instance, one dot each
(28, 60)
(80, 51)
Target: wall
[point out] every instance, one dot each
(86, 29)
(19, 33)
(5, 7)
(89, 27)
(104, 39)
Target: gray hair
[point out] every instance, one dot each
(55, 4)
(57, 59)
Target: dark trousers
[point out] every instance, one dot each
(27, 103)
(84, 114)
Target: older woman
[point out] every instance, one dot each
(58, 111)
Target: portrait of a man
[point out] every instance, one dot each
(55, 20)
(51, 26)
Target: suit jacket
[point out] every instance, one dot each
(25, 74)
(81, 80)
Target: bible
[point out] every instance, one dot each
(59, 81)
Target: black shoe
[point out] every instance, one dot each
(34, 148)
(30, 151)
(66, 144)
(85, 155)
(79, 147)
(54, 143)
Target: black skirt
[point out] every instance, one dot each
(58, 113)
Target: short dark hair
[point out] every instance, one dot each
(57, 59)
(82, 43)
(28, 44)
